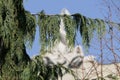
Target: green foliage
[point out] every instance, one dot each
(29, 30)
(70, 29)
(112, 77)
(88, 26)
(17, 27)
(100, 28)
(49, 29)
(13, 57)
(37, 70)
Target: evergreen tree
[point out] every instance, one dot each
(13, 29)
(17, 27)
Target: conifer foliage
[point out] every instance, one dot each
(13, 27)
(49, 25)
(17, 27)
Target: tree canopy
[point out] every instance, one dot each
(17, 26)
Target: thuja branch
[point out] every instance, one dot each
(72, 15)
(49, 28)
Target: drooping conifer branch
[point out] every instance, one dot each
(49, 28)
(17, 26)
